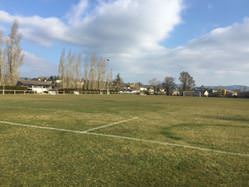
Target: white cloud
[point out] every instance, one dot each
(77, 12)
(219, 57)
(42, 30)
(125, 25)
(116, 24)
(130, 32)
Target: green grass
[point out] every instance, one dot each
(38, 157)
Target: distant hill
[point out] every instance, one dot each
(232, 87)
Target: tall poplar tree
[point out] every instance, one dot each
(62, 68)
(14, 54)
(1, 59)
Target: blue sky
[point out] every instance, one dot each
(143, 39)
(201, 16)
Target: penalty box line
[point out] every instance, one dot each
(67, 130)
(128, 138)
(110, 125)
(170, 144)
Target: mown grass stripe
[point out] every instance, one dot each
(128, 138)
(170, 144)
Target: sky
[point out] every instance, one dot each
(143, 39)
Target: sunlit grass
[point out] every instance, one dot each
(36, 157)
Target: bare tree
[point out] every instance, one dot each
(62, 68)
(14, 54)
(68, 70)
(95, 73)
(102, 64)
(154, 83)
(92, 73)
(109, 80)
(98, 72)
(1, 59)
(86, 78)
(169, 85)
(78, 68)
(187, 81)
(118, 82)
(71, 69)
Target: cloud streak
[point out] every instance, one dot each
(219, 57)
(35, 28)
(110, 25)
(36, 66)
(130, 32)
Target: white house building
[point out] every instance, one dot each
(36, 86)
(206, 93)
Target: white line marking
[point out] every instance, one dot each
(40, 127)
(169, 144)
(128, 138)
(111, 124)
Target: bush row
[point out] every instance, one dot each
(13, 88)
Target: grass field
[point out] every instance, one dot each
(147, 151)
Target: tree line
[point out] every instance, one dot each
(187, 83)
(73, 71)
(11, 56)
(79, 74)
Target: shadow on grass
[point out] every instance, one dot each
(169, 134)
(168, 131)
(229, 118)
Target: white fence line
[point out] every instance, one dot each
(52, 92)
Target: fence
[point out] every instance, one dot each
(58, 92)
(15, 92)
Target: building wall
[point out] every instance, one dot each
(39, 89)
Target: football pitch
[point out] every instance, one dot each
(123, 140)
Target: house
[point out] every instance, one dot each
(143, 89)
(206, 93)
(162, 91)
(151, 90)
(176, 92)
(35, 85)
(243, 94)
(231, 93)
